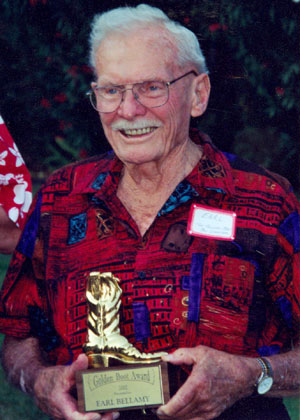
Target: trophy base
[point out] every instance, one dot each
(123, 387)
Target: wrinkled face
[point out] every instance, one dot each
(136, 58)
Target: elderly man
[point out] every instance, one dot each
(205, 246)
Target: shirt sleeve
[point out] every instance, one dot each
(24, 305)
(15, 181)
(21, 290)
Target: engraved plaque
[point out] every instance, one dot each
(123, 388)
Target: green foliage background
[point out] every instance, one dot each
(252, 49)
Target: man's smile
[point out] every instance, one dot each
(134, 129)
(138, 131)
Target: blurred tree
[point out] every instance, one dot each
(252, 49)
(253, 53)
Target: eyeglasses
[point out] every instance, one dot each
(151, 94)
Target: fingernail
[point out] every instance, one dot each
(115, 416)
(97, 417)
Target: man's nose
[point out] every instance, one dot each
(130, 107)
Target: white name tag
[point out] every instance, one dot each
(211, 223)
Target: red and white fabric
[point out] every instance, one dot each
(15, 181)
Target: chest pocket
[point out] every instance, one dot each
(217, 295)
(226, 297)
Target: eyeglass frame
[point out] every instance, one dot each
(168, 84)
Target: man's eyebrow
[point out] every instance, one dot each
(105, 83)
(108, 84)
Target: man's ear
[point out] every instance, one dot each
(200, 95)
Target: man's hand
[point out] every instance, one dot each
(50, 386)
(52, 392)
(217, 381)
(9, 233)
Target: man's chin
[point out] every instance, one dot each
(137, 158)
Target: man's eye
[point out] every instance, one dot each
(152, 88)
(111, 91)
(108, 92)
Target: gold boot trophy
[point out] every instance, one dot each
(103, 387)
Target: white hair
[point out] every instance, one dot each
(124, 20)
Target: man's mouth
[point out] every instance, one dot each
(136, 128)
(138, 131)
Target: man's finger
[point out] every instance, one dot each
(81, 363)
(180, 356)
(181, 403)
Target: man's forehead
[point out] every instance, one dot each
(152, 40)
(152, 34)
(152, 57)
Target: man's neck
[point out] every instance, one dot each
(157, 176)
(143, 189)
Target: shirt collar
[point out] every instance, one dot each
(108, 167)
(213, 172)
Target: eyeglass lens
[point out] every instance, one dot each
(149, 94)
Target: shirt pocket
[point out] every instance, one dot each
(216, 295)
(226, 295)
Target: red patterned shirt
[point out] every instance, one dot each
(240, 296)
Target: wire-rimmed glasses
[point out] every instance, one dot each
(151, 94)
